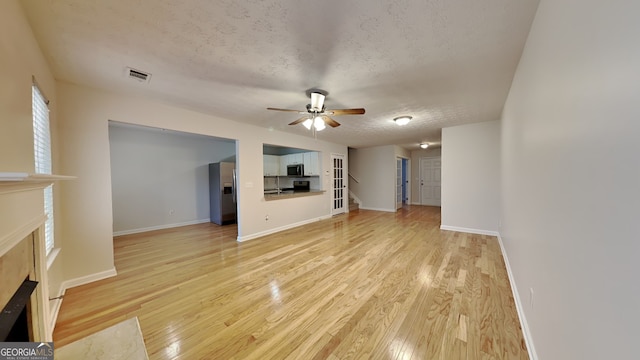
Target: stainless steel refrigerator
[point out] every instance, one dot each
(222, 193)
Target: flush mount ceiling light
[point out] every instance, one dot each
(424, 145)
(402, 120)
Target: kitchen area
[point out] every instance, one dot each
(290, 172)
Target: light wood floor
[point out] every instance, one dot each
(364, 285)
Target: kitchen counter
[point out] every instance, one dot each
(288, 194)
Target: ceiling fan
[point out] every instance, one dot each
(316, 114)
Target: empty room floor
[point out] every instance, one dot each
(362, 285)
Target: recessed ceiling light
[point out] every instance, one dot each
(424, 145)
(402, 120)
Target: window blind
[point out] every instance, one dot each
(42, 151)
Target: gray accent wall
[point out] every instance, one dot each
(159, 178)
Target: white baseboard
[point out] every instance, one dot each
(523, 320)
(71, 283)
(281, 228)
(55, 309)
(159, 227)
(514, 290)
(68, 284)
(469, 230)
(377, 209)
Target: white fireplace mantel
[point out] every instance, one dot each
(18, 181)
(23, 220)
(13, 182)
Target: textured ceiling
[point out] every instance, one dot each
(443, 62)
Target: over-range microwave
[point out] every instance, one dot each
(295, 170)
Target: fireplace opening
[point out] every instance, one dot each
(15, 319)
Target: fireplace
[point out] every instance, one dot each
(22, 255)
(15, 319)
(21, 295)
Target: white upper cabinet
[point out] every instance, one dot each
(271, 165)
(283, 165)
(291, 159)
(295, 159)
(310, 161)
(274, 165)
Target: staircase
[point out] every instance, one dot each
(353, 205)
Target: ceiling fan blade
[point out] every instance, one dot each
(277, 109)
(329, 121)
(299, 120)
(358, 111)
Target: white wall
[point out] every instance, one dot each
(571, 174)
(159, 178)
(20, 60)
(402, 152)
(471, 177)
(375, 168)
(84, 115)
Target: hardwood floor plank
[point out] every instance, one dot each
(363, 285)
(367, 325)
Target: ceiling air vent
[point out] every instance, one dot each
(138, 75)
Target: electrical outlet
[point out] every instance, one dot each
(531, 297)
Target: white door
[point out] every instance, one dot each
(430, 187)
(339, 187)
(398, 183)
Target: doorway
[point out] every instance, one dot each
(430, 181)
(402, 182)
(339, 186)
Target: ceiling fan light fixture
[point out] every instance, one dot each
(317, 117)
(402, 120)
(318, 123)
(317, 101)
(307, 123)
(424, 145)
